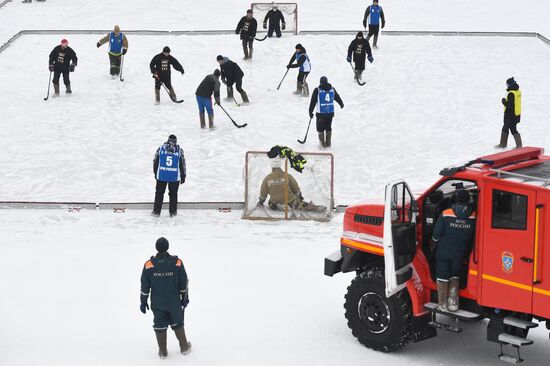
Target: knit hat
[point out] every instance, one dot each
(172, 139)
(117, 29)
(249, 11)
(219, 58)
(162, 245)
(510, 81)
(323, 80)
(359, 34)
(462, 196)
(299, 46)
(217, 73)
(64, 41)
(166, 49)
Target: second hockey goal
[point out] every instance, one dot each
(289, 10)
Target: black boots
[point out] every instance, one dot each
(161, 340)
(244, 96)
(229, 93)
(517, 139)
(68, 89)
(322, 139)
(157, 96)
(245, 50)
(328, 138)
(185, 346)
(503, 140)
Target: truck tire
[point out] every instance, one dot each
(379, 323)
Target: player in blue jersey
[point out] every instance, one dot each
(374, 15)
(118, 46)
(170, 170)
(324, 97)
(304, 65)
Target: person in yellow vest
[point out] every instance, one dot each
(118, 46)
(512, 114)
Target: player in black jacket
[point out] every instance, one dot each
(62, 61)
(359, 47)
(232, 74)
(164, 277)
(209, 85)
(275, 18)
(160, 68)
(247, 29)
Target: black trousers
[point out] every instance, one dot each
(274, 28)
(166, 80)
(510, 126)
(57, 74)
(247, 42)
(302, 76)
(359, 62)
(172, 193)
(115, 64)
(238, 85)
(373, 31)
(324, 122)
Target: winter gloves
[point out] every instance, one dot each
(348, 59)
(98, 44)
(71, 68)
(144, 306)
(183, 179)
(51, 67)
(265, 25)
(310, 114)
(283, 27)
(371, 59)
(124, 50)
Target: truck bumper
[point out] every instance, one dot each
(333, 263)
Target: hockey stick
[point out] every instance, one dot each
(260, 39)
(278, 86)
(121, 65)
(356, 78)
(232, 120)
(49, 84)
(170, 95)
(307, 131)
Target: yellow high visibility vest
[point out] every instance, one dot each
(517, 101)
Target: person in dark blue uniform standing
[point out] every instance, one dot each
(165, 279)
(246, 28)
(170, 170)
(453, 236)
(324, 97)
(373, 16)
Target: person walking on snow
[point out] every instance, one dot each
(170, 170)
(62, 60)
(209, 85)
(165, 279)
(276, 21)
(359, 48)
(160, 68)
(304, 65)
(231, 74)
(247, 27)
(373, 16)
(512, 114)
(324, 97)
(118, 46)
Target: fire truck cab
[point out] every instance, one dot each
(505, 277)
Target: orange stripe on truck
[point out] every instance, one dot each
(372, 248)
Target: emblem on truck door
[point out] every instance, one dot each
(507, 262)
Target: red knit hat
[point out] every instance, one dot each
(64, 41)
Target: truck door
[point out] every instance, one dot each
(399, 236)
(508, 248)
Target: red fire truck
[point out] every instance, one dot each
(393, 298)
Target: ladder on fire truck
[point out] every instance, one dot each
(506, 330)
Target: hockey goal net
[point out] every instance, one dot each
(316, 185)
(289, 10)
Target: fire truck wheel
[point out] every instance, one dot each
(377, 322)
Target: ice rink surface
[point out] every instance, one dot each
(70, 289)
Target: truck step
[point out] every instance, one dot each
(459, 314)
(506, 338)
(519, 323)
(443, 326)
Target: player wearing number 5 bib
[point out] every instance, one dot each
(169, 168)
(324, 97)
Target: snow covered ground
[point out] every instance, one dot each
(70, 294)
(258, 296)
(429, 102)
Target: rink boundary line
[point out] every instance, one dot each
(306, 32)
(4, 2)
(69, 205)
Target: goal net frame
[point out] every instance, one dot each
(265, 7)
(252, 201)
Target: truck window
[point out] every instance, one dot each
(509, 210)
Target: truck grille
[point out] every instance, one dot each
(369, 220)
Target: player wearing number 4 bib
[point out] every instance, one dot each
(324, 97)
(169, 168)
